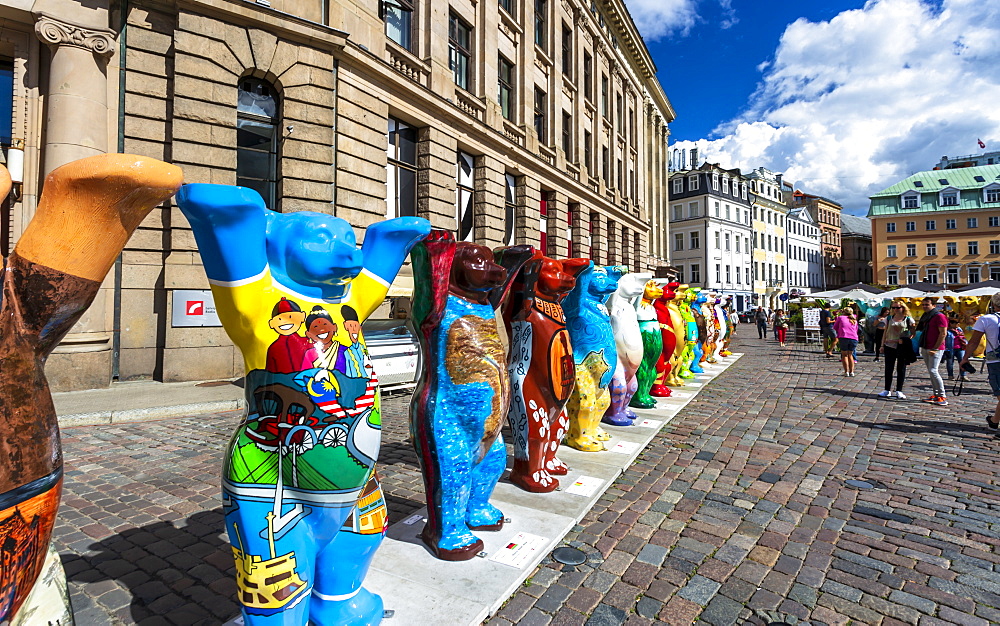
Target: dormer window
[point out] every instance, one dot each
(743, 190)
(715, 181)
(949, 197)
(725, 185)
(918, 183)
(693, 182)
(991, 193)
(678, 185)
(911, 200)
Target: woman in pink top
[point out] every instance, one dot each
(846, 327)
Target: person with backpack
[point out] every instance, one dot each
(761, 319)
(989, 326)
(932, 329)
(826, 329)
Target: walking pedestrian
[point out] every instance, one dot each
(846, 328)
(761, 319)
(880, 323)
(932, 328)
(780, 326)
(826, 329)
(954, 348)
(989, 326)
(898, 328)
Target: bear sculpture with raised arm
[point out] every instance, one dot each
(542, 371)
(302, 502)
(652, 346)
(460, 402)
(699, 320)
(628, 339)
(88, 210)
(595, 355)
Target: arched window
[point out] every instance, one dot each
(257, 121)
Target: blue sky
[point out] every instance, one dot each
(729, 44)
(844, 98)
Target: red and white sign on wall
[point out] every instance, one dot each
(193, 308)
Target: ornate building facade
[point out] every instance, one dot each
(518, 122)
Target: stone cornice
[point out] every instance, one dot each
(56, 32)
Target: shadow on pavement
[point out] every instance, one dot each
(186, 572)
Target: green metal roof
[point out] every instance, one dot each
(960, 178)
(929, 184)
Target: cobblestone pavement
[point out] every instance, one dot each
(736, 513)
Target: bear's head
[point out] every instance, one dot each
(474, 273)
(312, 249)
(602, 283)
(632, 285)
(556, 278)
(651, 291)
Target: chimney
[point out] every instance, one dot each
(694, 157)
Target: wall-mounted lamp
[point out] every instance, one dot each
(15, 161)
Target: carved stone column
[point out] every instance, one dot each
(76, 121)
(76, 126)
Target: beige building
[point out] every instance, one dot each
(539, 123)
(826, 213)
(769, 237)
(939, 227)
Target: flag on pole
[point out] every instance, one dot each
(981, 144)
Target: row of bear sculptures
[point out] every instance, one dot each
(554, 346)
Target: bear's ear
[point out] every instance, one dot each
(574, 267)
(514, 258)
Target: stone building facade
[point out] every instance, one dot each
(826, 213)
(770, 214)
(711, 230)
(539, 123)
(856, 245)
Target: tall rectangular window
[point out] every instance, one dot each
(678, 242)
(459, 50)
(695, 240)
(952, 275)
(541, 22)
(588, 76)
(973, 275)
(398, 17)
(543, 226)
(890, 227)
(890, 250)
(932, 249)
(257, 139)
(604, 96)
(930, 225)
(567, 135)
(510, 209)
(972, 222)
(606, 166)
(973, 247)
(540, 127)
(950, 224)
(508, 6)
(464, 209)
(994, 246)
(892, 277)
(588, 150)
(696, 273)
(567, 51)
(505, 88)
(952, 248)
(619, 115)
(401, 170)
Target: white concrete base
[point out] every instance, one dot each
(48, 603)
(420, 589)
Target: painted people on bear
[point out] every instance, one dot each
(301, 498)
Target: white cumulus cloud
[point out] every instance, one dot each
(849, 106)
(658, 18)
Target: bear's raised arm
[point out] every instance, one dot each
(387, 243)
(229, 225)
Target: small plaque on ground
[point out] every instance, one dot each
(624, 447)
(650, 424)
(413, 519)
(519, 551)
(584, 486)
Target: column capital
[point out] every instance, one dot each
(56, 32)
